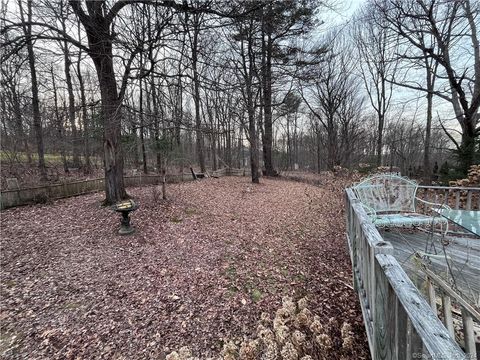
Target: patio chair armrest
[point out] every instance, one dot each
(436, 213)
(432, 204)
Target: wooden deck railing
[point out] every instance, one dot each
(400, 323)
(461, 309)
(36, 194)
(460, 198)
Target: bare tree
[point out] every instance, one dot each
(59, 123)
(246, 36)
(377, 54)
(452, 26)
(98, 20)
(324, 89)
(192, 25)
(37, 119)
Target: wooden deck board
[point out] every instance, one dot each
(464, 254)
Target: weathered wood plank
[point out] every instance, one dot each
(432, 297)
(367, 319)
(18, 197)
(400, 324)
(402, 345)
(384, 317)
(447, 289)
(416, 348)
(468, 334)
(447, 315)
(434, 335)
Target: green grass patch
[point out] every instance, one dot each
(6, 155)
(176, 220)
(232, 290)
(10, 283)
(299, 278)
(231, 272)
(256, 295)
(285, 272)
(190, 211)
(72, 305)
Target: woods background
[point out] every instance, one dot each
(128, 86)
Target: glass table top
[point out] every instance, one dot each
(468, 219)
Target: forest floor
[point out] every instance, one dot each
(199, 270)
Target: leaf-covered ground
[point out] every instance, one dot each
(200, 269)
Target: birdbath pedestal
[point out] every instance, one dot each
(125, 208)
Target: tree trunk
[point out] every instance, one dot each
(267, 104)
(332, 143)
(142, 130)
(252, 133)
(87, 168)
(37, 120)
(319, 148)
(240, 147)
(178, 110)
(111, 115)
(289, 162)
(252, 137)
(97, 28)
(380, 139)
(71, 106)
(59, 124)
(427, 171)
(228, 145)
(156, 121)
(295, 141)
(196, 97)
(467, 148)
(19, 122)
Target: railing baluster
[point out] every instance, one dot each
(457, 199)
(432, 298)
(469, 200)
(468, 334)
(415, 343)
(430, 198)
(401, 332)
(447, 315)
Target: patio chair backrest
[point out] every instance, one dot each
(387, 193)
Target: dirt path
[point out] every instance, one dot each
(200, 269)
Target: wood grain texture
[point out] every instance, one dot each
(434, 335)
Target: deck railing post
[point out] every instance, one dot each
(432, 297)
(469, 200)
(447, 315)
(468, 334)
(384, 317)
(400, 323)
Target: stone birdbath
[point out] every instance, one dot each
(125, 208)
